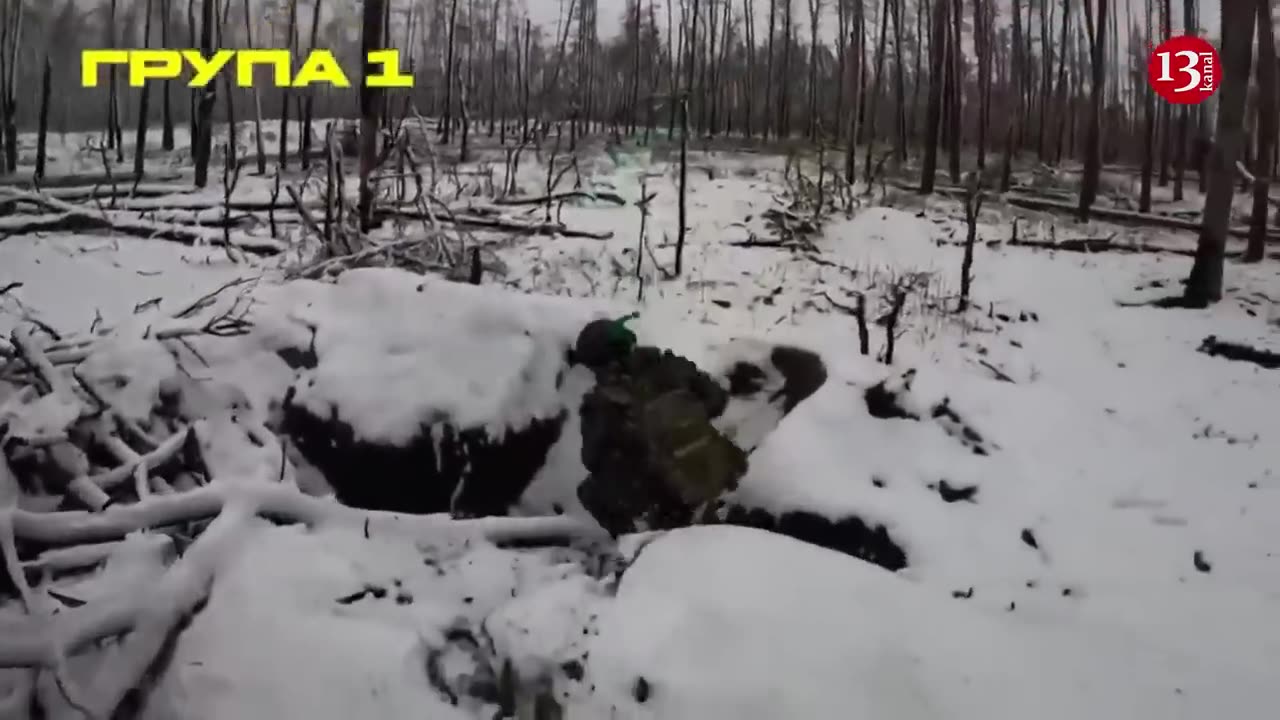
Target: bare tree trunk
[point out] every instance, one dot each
(370, 103)
(1097, 27)
(166, 132)
(748, 124)
(507, 85)
(113, 90)
(42, 134)
(465, 86)
(707, 92)
(1148, 133)
(144, 99)
(450, 73)
(233, 134)
(493, 66)
(815, 13)
(652, 123)
(674, 58)
(203, 143)
(634, 111)
(193, 117)
(682, 208)
(933, 118)
(1166, 110)
(528, 81)
(308, 108)
(872, 110)
(1061, 91)
(285, 94)
(956, 93)
(1046, 75)
(921, 27)
(1184, 113)
(784, 90)
(855, 51)
(842, 62)
(1267, 128)
(1015, 100)
(1204, 284)
(899, 88)
(768, 83)
(9, 102)
(982, 49)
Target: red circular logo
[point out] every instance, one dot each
(1184, 70)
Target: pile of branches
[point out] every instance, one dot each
(92, 487)
(430, 233)
(427, 232)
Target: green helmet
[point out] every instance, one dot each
(605, 340)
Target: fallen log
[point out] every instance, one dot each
(612, 198)
(1095, 245)
(1123, 217)
(494, 223)
(65, 217)
(1239, 352)
(96, 192)
(320, 155)
(124, 179)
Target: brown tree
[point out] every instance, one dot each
(203, 132)
(1096, 24)
(144, 99)
(1267, 128)
(1148, 132)
(370, 105)
(933, 119)
(1204, 284)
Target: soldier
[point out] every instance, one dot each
(653, 455)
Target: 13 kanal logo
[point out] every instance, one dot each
(1184, 70)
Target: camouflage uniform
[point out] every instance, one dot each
(647, 437)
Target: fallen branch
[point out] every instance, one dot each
(1123, 217)
(1096, 245)
(85, 180)
(612, 198)
(72, 217)
(1240, 352)
(281, 502)
(515, 226)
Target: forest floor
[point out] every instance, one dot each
(1094, 535)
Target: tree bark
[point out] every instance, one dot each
(208, 95)
(1097, 26)
(166, 132)
(308, 108)
(370, 104)
(873, 110)
(1148, 132)
(42, 136)
(450, 71)
(144, 101)
(933, 117)
(1204, 284)
(956, 92)
(1267, 128)
(1166, 110)
(1184, 113)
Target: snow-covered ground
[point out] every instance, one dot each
(1105, 545)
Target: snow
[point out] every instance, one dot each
(462, 353)
(1117, 447)
(734, 623)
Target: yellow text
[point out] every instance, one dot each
(319, 67)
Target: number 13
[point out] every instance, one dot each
(1192, 58)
